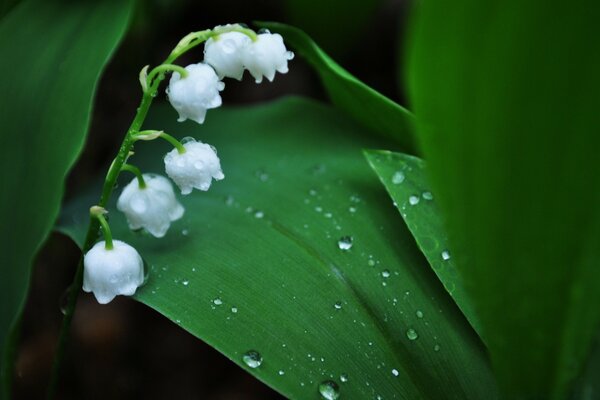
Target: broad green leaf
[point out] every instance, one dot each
(256, 263)
(507, 100)
(404, 178)
(366, 105)
(52, 55)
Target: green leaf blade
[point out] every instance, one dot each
(53, 54)
(265, 242)
(366, 105)
(404, 178)
(508, 122)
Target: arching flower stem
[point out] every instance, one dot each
(136, 171)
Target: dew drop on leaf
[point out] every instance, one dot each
(344, 378)
(419, 314)
(329, 390)
(445, 255)
(411, 334)
(252, 358)
(385, 273)
(395, 372)
(338, 305)
(427, 195)
(345, 243)
(413, 200)
(398, 177)
(217, 301)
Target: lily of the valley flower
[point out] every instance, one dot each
(225, 54)
(111, 272)
(266, 55)
(195, 168)
(193, 95)
(152, 207)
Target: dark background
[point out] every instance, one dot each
(124, 350)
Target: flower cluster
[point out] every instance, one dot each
(149, 202)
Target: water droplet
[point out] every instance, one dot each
(445, 255)
(395, 372)
(229, 200)
(259, 214)
(185, 283)
(427, 195)
(371, 263)
(217, 301)
(419, 314)
(328, 215)
(385, 273)
(338, 305)
(281, 372)
(344, 378)
(436, 348)
(398, 177)
(185, 232)
(318, 209)
(312, 192)
(413, 200)
(352, 209)
(199, 165)
(234, 310)
(411, 334)
(329, 390)
(345, 243)
(262, 175)
(252, 358)
(187, 139)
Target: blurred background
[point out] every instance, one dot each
(124, 350)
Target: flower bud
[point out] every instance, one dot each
(266, 55)
(195, 168)
(225, 54)
(193, 95)
(153, 207)
(111, 272)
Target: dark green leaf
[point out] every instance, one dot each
(265, 242)
(405, 179)
(507, 95)
(366, 105)
(52, 55)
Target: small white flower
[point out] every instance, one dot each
(193, 95)
(153, 207)
(267, 55)
(195, 168)
(108, 273)
(225, 54)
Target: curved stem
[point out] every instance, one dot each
(108, 242)
(138, 174)
(166, 68)
(151, 135)
(176, 143)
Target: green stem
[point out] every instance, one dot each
(109, 184)
(108, 242)
(166, 68)
(152, 134)
(138, 174)
(176, 143)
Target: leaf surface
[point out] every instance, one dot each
(361, 102)
(52, 55)
(405, 179)
(256, 265)
(507, 100)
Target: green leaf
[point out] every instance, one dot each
(366, 105)
(255, 262)
(404, 178)
(507, 97)
(52, 55)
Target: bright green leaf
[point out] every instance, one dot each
(52, 55)
(255, 263)
(366, 105)
(507, 97)
(404, 177)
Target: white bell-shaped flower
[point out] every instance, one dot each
(193, 95)
(267, 55)
(195, 168)
(225, 54)
(153, 207)
(109, 273)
